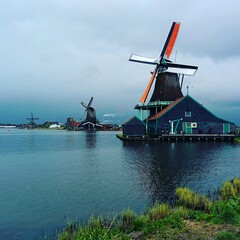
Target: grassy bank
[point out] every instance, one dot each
(192, 217)
(237, 139)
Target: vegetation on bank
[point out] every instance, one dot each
(192, 217)
(237, 139)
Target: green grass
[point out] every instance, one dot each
(225, 235)
(158, 211)
(192, 214)
(227, 190)
(236, 186)
(227, 211)
(237, 140)
(187, 198)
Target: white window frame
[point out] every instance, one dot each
(188, 114)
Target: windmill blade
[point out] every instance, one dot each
(140, 59)
(83, 115)
(32, 117)
(83, 104)
(90, 102)
(145, 94)
(184, 71)
(181, 69)
(168, 46)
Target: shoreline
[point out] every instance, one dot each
(182, 138)
(192, 217)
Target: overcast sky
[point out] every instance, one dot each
(56, 53)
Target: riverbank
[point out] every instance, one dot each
(237, 139)
(191, 217)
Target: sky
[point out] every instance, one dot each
(55, 54)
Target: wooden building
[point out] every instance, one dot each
(186, 115)
(169, 114)
(134, 127)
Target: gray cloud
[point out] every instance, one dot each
(54, 54)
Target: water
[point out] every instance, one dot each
(50, 177)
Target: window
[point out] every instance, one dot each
(193, 125)
(187, 114)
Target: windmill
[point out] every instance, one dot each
(32, 123)
(166, 73)
(90, 112)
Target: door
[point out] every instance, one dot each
(226, 128)
(187, 128)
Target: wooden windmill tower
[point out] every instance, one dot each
(90, 121)
(166, 75)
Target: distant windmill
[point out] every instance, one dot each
(31, 121)
(167, 87)
(90, 113)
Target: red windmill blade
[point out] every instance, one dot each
(170, 41)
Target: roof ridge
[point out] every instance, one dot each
(157, 115)
(130, 118)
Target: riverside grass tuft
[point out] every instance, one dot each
(227, 190)
(193, 215)
(158, 211)
(236, 185)
(237, 140)
(189, 199)
(127, 218)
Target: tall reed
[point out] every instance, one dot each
(227, 191)
(189, 199)
(159, 211)
(236, 185)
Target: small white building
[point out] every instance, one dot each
(54, 125)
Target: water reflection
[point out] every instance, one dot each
(76, 174)
(91, 139)
(162, 167)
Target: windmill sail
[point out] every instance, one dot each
(169, 66)
(90, 102)
(162, 63)
(181, 69)
(146, 92)
(83, 104)
(169, 44)
(140, 59)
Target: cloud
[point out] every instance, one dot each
(110, 115)
(55, 54)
